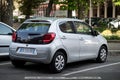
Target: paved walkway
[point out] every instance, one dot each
(114, 46)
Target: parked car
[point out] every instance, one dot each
(99, 22)
(94, 21)
(114, 24)
(56, 41)
(5, 38)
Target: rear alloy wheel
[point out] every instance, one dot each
(58, 63)
(102, 56)
(18, 63)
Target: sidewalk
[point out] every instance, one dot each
(114, 47)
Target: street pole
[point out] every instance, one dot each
(0, 9)
(90, 13)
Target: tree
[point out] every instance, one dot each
(27, 6)
(68, 5)
(6, 11)
(82, 8)
(71, 7)
(117, 2)
(49, 8)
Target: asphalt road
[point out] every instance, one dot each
(83, 70)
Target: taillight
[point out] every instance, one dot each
(49, 37)
(14, 37)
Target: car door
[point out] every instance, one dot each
(69, 40)
(5, 39)
(88, 43)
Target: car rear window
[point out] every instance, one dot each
(34, 27)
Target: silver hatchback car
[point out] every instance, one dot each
(56, 41)
(5, 38)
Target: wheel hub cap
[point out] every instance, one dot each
(103, 54)
(59, 62)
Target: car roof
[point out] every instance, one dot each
(51, 19)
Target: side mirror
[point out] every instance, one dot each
(95, 33)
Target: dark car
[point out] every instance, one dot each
(94, 21)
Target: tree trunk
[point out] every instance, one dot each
(49, 8)
(90, 13)
(10, 12)
(0, 9)
(105, 9)
(113, 12)
(6, 11)
(78, 4)
(27, 16)
(69, 14)
(98, 10)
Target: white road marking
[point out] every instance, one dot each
(5, 63)
(85, 70)
(61, 78)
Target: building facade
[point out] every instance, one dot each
(105, 10)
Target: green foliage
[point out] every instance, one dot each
(27, 6)
(95, 2)
(100, 29)
(114, 30)
(102, 23)
(70, 4)
(117, 2)
(81, 6)
(113, 37)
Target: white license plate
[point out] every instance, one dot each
(31, 51)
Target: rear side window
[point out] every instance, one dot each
(66, 27)
(4, 30)
(34, 27)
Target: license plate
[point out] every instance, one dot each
(31, 51)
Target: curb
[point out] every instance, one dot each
(113, 41)
(114, 52)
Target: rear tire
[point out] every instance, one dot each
(58, 63)
(18, 63)
(102, 55)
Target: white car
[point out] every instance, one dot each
(5, 38)
(56, 41)
(114, 24)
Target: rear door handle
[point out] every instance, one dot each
(63, 37)
(81, 39)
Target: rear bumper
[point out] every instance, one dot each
(29, 59)
(44, 54)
